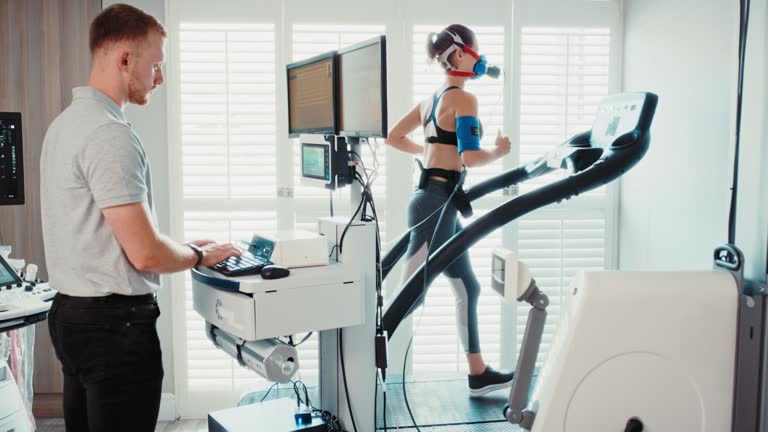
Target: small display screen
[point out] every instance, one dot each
(315, 161)
(7, 275)
(497, 268)
(261, 247)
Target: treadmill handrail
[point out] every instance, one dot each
(536, 168)
(540, 167)
(615, 161)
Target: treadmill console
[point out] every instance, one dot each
(616, 116)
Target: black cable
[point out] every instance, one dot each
(423, 221)
(376, 403)
(367, 200)
(306, 395)
(344, 376)
(367, 197)
(437, 225)
(332, 422)
(330, 193)
(298, 396)
(394, 262)
(304, 339)
(384, 398)
(352, 219)
(743, 31)
(268, 391)
(405, 394)
(434, 233)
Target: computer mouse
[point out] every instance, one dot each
(274, 272)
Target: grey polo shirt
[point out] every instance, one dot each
(91, 159)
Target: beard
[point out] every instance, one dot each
(137, 93)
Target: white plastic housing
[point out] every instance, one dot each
(658, 346)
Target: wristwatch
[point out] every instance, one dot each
(199, 253)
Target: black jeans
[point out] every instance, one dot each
(111, 359)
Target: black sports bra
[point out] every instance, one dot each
(443, 136)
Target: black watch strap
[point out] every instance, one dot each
(199, 253)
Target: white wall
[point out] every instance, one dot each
(150, 122)
(674, 204)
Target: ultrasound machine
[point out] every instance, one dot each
(23, 300)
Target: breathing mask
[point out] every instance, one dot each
(481, 66)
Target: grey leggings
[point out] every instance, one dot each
(466, 288)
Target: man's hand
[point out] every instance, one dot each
(216, 252)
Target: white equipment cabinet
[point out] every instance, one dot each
(659, 347)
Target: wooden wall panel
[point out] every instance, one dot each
(45, 47)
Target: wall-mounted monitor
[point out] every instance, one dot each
(363, 89)
(11, 159)
(313, 96)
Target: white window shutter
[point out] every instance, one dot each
(564, 75)
(227, 90)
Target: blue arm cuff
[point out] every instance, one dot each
(468, 133)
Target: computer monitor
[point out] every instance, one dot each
(11, 159)
(363, 89)
(313, 96)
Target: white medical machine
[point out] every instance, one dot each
(295, 248)
(245, 316)
(22, 303)
(13, 416)
(637, 351)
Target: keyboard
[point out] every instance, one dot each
(244, 265)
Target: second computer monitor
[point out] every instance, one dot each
(363, 89)
(312, 96)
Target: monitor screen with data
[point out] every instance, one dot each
(11, 159)
(8, 275)
(312, 96)
(363, 89)
(315, 161)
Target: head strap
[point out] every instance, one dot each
(458, 43)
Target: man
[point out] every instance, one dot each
(102, 247)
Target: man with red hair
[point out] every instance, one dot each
(102, 247)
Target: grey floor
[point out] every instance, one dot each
(438, 406)
(57, 425)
